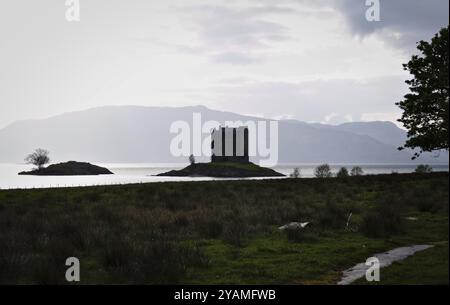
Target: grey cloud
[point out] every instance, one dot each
(235, 58)
(241, 33)
(415, 20)
(238, 31)
(313, 100)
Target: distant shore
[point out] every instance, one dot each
(129, 173)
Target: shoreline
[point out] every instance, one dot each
(175, 180)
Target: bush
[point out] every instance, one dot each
(191, 159)
(209, 228)
(384, 221)
(425, 199)
(356, 171)
(323, 171)
(332, 216)
(423, 169)
(342, 173)
(234, 232)
(295, 173)
(152, 258)
(301, 235)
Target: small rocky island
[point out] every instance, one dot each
(71, 168)
(229, 158)
(223, 170)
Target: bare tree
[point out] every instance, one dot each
(323, 171)
(38, 158)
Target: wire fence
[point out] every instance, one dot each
(69, 185)
(166, 179)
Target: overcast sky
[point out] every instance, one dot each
(316, 61)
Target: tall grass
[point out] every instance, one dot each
(148, 233)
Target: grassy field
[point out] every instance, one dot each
(226, 232)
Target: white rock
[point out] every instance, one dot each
(294, 226)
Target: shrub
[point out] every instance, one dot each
(191, 159)
(152, 258)
(210, 228)
(302, 235)
(332, 216)
(117, 253)
(384, 221)
(342, 173)
(356, 171)
(323, 171)
(295, 173)
(46, 270)
(425, 199)
(423, 169)
(234, 232)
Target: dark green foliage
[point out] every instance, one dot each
(342, 173)
(307, 235)
(332, 215)
(425, 109)
(426, 198)
(323, 171)
(423, 169)
(295, 173)
(191, 159)
(386, 218)
(356, 171)
(152, 233)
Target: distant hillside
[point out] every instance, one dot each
(385, 132)
(141, 134)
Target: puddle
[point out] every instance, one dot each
(386, 258)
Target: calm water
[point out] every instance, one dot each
(137, 173)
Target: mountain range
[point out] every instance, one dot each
(139, 134)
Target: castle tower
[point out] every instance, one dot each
(229, 144)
